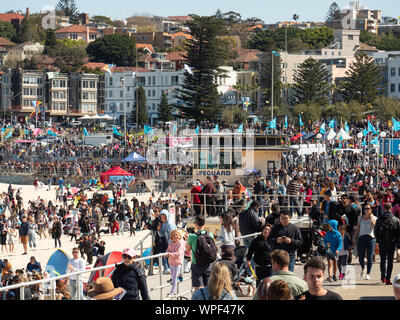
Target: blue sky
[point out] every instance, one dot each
(268, 10)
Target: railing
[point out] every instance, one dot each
(51, 282)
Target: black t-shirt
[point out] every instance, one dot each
(330, 295)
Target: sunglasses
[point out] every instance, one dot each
(75, 252)
(125, 256)
(367, 208)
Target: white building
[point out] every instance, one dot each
(394, 76)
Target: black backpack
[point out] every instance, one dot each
(206, 250)
(388, 230)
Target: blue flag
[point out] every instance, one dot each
(85, 132)
(375, 141)
(346, 127)
(396, 125)
(364, 143)
(8, 135)
(286, 123)
(52, 133)
(300, 121)
(332, 124)
(365, 132)
(240, 129)
(197, 130)
(148, 130)
(371, 128)
(272, 124)
(322, 129)
(216, 130)
(115, 131)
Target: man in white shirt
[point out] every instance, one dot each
(76, 264)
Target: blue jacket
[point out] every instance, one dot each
(333, 237)
(168, 226)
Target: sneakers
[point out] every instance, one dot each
(362, 275)
(334, 278)
(341, 276)
(166, 271)
(169, 280)
(383, 280)
(171, 295)
(367, 277)
(180, 279)
(329, 279)
(388, 282)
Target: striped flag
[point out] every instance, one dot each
(109, 68)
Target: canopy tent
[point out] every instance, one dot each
(343, 134)
(105, 117)
(134, 157)
(331, 135)
(86, 117)
(116, 174)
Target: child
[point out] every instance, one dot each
(333, 245)
(346, 244)
(11, 240)
(176, 250)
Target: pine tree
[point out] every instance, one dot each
(332, 15)
(266, 77)
(164, 109)
(312, 84)
(68, 7)
(205, 54)
(364, 80)
(142, 107)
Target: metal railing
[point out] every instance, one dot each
(51, 282)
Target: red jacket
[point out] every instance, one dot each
(194, 192)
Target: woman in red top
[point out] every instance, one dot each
(196, 189)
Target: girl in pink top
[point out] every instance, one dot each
(176, 250)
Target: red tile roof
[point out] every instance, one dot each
(7, 17)
(182, 34)
(124, 69)
(174, 56)
(95, 65)
(6, 42)
(145, 45)
(76, 29)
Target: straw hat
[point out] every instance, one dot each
(103, 289)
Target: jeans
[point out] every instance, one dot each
(263, 272)
(175, 272)
(121, 226)
(294, 206)
(73, 288)
(366, 242)
(32, 240)
(165, 263)
(386, 252)
(55, 242)
(292, 262)
(261, 210)
(246, 242)
(342, 262)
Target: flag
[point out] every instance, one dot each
(52, 133)
(371, 128)
(148, 130)
(272, 124)
(115, 131)
(52, 75)
(197, 129)
(364, 143)
(332, 124)
(286, 123)
(188, 69)
(216, 130)
(240, 129)
(322, 129)
(124, 21)
(109, 68)
(246, 102)
(276, 53)
(85, 132)
(9, 134)
(396, 125)
(375, 141)
(300, 121)
(346, 127)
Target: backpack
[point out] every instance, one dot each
(206, 250)
(388, 230)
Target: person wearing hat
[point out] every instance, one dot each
(130, 276)
(228, 258)
(104, 290)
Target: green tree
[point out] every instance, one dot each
(317, 37)
(363, 80)
(8, 31)
(31, 29)
(313, 83)
(68, 58)
(205, 54)
(385, 108)
(142, 108)
(231, 115)
(118, 49)
(68, 7)
(332, 15)
(310, 112)
(164, 109)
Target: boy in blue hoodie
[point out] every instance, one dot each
(333, 245)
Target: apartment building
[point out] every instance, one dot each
(393, 83)
(161, 40)
(77, 32)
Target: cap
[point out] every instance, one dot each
(396, 281)
(130, 252)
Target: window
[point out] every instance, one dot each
(148, 81)
(26, 80)
(236, 160)
(39, 80)
(39, 91)
(121, 107)
(141, 81)
(392, 87)
(85, 84)
(92, 37)
(55, 95)
(63, 84)
(110, 81)
(393, 72)
(26, 91)
(154, 93)
(224, 160)
(174, 80)
(398, 87)
(149, 93)
(62, 106)
(350, 37)
(121, 94)
(202, 160)
(92, 84)
(55, 106)
(154, 106)
(73, 36)
(92, 95)
(110, 94)
(85, 96)
(5, 79)
(154, 80)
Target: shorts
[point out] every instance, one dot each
(331, 256)
(200, 275)
(24, 239)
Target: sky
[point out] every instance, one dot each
(267, 10)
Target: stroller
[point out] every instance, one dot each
(313, 243)
(244, 277)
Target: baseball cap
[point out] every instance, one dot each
(130, 252)
(396, 281)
